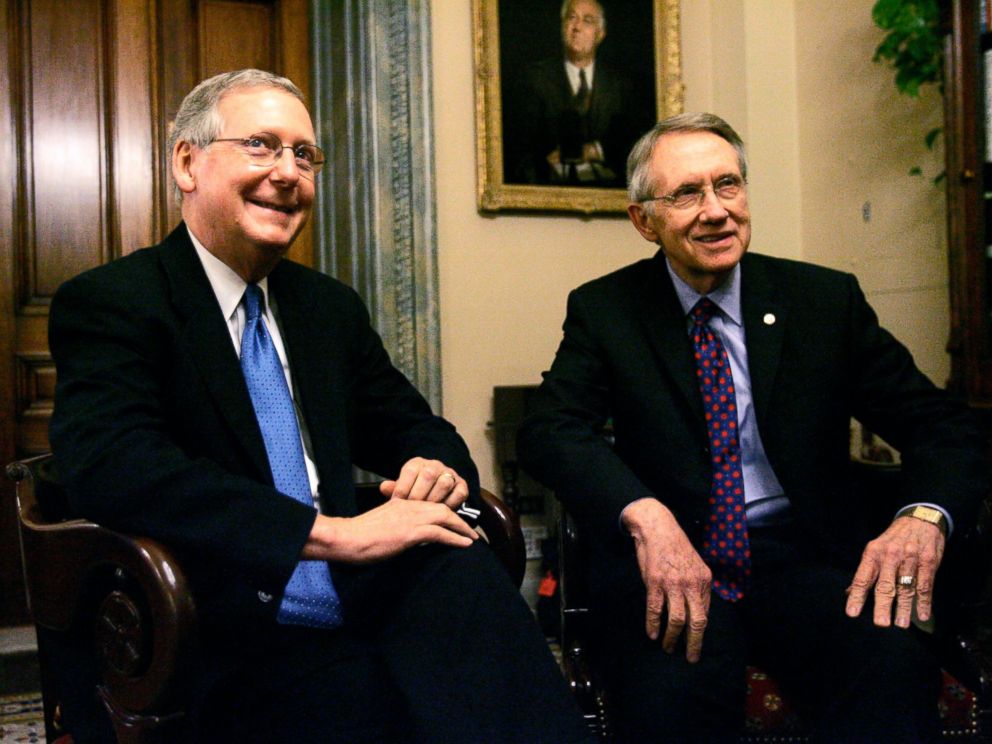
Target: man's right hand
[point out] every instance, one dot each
(385, 531)
(673, 573)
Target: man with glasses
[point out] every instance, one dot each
(721, 508)
(215, 396)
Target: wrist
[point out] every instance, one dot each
(640, 514)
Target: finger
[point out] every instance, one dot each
(676, 621)
(458, 494)
(437, 534)
(444, 483)
(905, 593)
(862, 582)
(926, 574)
(698, 613)
(423, 487)
(387, 488)
(451, 521)
(406, 479)
(655, 605)
(885, 591)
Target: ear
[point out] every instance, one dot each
(182, 166)
(639, 216)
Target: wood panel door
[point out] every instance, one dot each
(88, 91)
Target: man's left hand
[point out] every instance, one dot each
(427, 480)
(909, 547)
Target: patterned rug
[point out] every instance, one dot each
(22, 719)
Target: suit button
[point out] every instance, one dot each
(264, 597)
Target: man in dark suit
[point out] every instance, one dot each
(575, 123)
(722, 507)
(182, 367)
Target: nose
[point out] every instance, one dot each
(285, 168)
(713, 209)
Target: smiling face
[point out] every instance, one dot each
(705, 242)
(244, 214)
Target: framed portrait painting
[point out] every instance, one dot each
(563, 89)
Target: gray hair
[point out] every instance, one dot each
(198, 120)
(639, 185)
(602, 11)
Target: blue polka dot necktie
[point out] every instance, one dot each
(310, 598)
(725, 544)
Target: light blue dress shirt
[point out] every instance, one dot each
(763, 496)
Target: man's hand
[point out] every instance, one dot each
(592, 152)
(427, 480)
(386, 531)
(909, 547)
(673, 574)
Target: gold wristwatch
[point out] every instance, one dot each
(927, 514)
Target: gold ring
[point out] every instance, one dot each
(447, 475)
(907, 580)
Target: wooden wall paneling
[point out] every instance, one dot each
(13, 608)
(234, 35)
(176, 65)
(63, 146)
(139, 199)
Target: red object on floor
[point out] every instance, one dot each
(769, 712)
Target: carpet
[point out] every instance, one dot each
(22, 719)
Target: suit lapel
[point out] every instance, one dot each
(665, 327)
(765, 318)
(207, 340)
(304, 346)
(319, 360)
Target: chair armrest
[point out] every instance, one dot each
(130, 592)
(502, 530)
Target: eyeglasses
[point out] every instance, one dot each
(265, 149)
(726, 188)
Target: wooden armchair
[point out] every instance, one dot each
(966, 653)
(116, 622)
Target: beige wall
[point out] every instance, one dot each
(825, 134)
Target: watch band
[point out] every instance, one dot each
(927, 514)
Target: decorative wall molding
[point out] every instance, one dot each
(375, 214)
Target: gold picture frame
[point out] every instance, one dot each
(498, 189)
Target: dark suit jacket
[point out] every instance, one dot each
(817, 357)
(544, 100)
(154, 433)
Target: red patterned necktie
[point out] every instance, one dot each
(725, 545)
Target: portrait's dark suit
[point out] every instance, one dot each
(154, 433)
(816, 357)
(547, 121)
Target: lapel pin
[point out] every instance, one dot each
(769, 319)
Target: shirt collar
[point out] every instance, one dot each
(228, 287)
(573, 73)
(727, 296)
